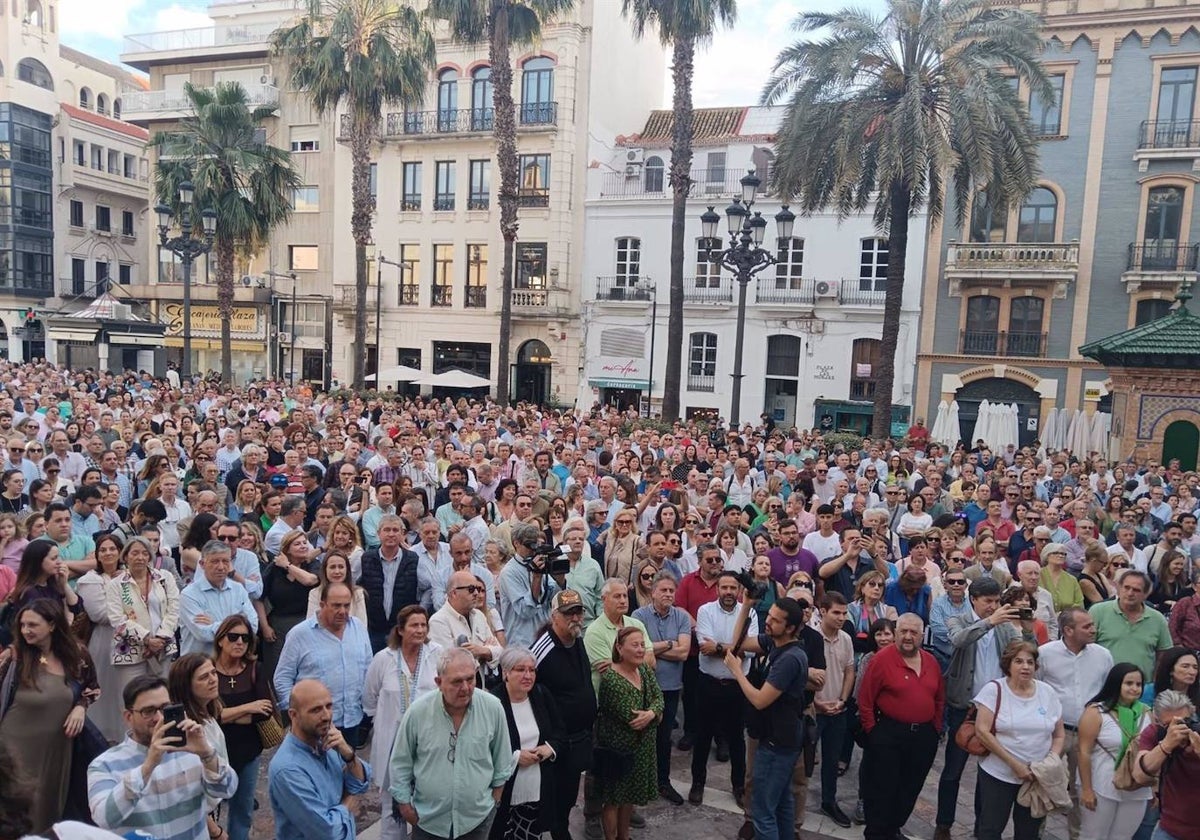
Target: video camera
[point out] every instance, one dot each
(545, 558)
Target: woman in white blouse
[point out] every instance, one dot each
(397, 676)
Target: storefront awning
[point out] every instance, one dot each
(73, 335)
(147, 340)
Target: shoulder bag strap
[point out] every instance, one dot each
(999, 697)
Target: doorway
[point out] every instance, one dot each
(1007, 391)
(533, 373)
(1182, 440)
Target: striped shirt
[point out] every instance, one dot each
(170, 806)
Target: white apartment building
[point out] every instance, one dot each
(73, 200)
(813, 320)
(436, 224)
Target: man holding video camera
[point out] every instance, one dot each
(526, 586)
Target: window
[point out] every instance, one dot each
(534, 189)
(629, 260)
(306, 199)
(481, 185)
(76, 213)
(306, 145)
(537, 92)
(129, 166)
(477, 263)
(102, 104)
(101, 278)
(32, 71)
(1025, 326)
(79, 155)
(872, 266)
(714, 171)
(116, 109)
(531, 266)
(98, 158)
(1176, 97)
(708, 273)
(702, 362)
(411, 200)
(989, 223)
(1038, 218)
(33, 13)
(103, 218)
(127, 223)
(447, 98)
(410, 274)
(482, 112)
(85, 99)
(443, 276)
(1151, 309)
(78, 276)
(472, 357)
(983, 325)
(114, 162)
(303, 257)
(1046, 114)
(124, 274)
(443, 198)
(790, 264)
(864, 367)
(653, 173)
(783, 356)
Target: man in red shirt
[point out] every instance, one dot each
(695, 590)
(901, 703)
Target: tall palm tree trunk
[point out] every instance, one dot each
(900, 198)
(225, 265)
(504, 129)
(682, 69)
(360, 228)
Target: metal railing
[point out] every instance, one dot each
(152, 101)
(443, 203)
(1023, 343)
(463, 120)
(717, 289)
(410, 294)
(1169, 134)
(701, 382)
(478, 202)
(475, 297)
(533, 197)
(410, 203)
(852, 294)
(783, 290)
(1159, 255)
(712, 184)
(70, 287)
(206, 37)
(862, 389)
(441, 295)
(622, 289)
(537, 113)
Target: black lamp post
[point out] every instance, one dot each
(745, 257)
(187, 247)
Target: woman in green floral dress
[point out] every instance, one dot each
(631, 706)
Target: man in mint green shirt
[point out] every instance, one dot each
(1127, 629)
(601, 633)
(452, 756)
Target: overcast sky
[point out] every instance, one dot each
(729, 72)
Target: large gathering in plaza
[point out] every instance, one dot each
(515, 419)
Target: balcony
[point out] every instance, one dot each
(1165, 140)
(475, 297)
(69, 287)
(441, 295)
(706, 383)
(533, 197)
(862, 389)
(221, 41)
(1008, 263)
(852, 294)
(410, 294)
(707, 184)
(443, 203)
(449, 122)
(708, 289)
(411, 203)
(622, 289)
(775, 290)
(149, 105)
(1019, 343)
(1160, 261)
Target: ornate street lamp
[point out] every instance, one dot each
(187, 247)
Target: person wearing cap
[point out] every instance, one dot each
(564, 672)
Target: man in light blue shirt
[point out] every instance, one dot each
(314, 770)
(246, 570)
(437, 795)
(433, 557)
(461, 560)
(525, 589)
(370, 519)
(84, 521)
(333, 648)
(210, 599)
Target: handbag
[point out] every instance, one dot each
(967, 738)
(610, 764)
(1123, 775)
(270, 730)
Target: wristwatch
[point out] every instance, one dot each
(670, 644)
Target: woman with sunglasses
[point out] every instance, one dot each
(622, 545)
(867, 608)
(245, 701)
(1095, 581)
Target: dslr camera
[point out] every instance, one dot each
(755, 589)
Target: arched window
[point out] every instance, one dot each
(481, 99)
(983, 325)
(85, 98)
(1039, 214)
(447, 99)
(1025, 326)
(864, 367)
(1160, 232)
(102, 104)
(35, 73)
(653, 173)
(33, 13)
(1151, 309)
(537, 92)
(989, 223)
(116, 109)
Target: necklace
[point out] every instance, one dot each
(43, 660)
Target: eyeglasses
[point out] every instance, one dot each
(1119, 565)
(16, 449)
(230, 538)
(805, 584)
(713, 560)
(244, 638)
(150, 712)
(691, 521)
(474, 589)
(646, 577)
(453, 746)
(704, 534)
(956, 582)
(673, 542)
(822, 472)
(35, 449)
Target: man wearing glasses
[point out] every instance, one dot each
(16, 460)
(952, 603)
(458, 624)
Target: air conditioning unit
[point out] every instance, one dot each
(635, 157)
(266, 79)
(633, 170)
(285, 338)
(122, 311)
(829, 288)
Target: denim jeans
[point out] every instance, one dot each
(1145, 831)
(241, 804)
(774, 805)
(1159, 834)
(831, 730)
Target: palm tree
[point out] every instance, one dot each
(359, 54)
(221, 149)
(897, 111)
(502, 23)
(682, 25)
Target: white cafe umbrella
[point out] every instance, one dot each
(981, 421)
(399, 373)
(1049, 429)
(455, 379)
(1077, 434)
(1098, 433)
(953, 432)
(938, 433)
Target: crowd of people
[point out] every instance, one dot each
(485, 612)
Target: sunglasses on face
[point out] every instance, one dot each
(956, 582)
(646, 577)
(244, 638)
